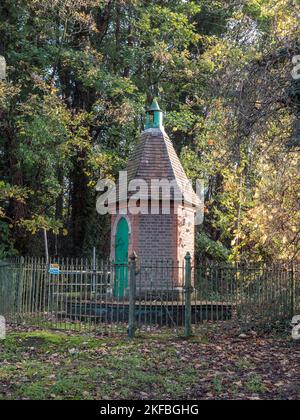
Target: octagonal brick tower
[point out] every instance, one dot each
(160, 236)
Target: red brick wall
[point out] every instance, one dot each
(161, 237)
(186, 232)
(157, 237)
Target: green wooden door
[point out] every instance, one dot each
(122, 243)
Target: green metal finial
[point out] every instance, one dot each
(154, 116)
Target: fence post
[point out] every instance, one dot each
(188, 290)
(292, 291)
(132, 296)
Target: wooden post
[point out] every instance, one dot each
(132, 296)
(188, 290)
(46, 246)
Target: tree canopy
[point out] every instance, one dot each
(79, 75)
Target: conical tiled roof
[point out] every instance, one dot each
(154, 157)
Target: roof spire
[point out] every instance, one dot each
(154, 116)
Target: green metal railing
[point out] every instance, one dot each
(81, 296)
(10, 290)
(258, 294)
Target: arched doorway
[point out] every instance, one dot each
(121, 258)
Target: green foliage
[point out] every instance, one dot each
(255, 385)
(72, 107)
(208, 248)
(6, 244)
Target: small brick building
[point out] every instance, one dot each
(165, 235)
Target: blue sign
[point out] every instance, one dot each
(54, 269)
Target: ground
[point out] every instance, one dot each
(217, 363)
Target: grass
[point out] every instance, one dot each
(255, 385)
(58, 366)
(40, 365)
(218, 385)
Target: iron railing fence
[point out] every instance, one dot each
(106, 297)
(10, 280)
(253, 294)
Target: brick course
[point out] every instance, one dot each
(159, 236)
